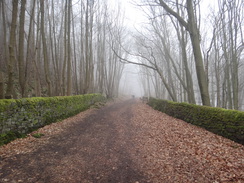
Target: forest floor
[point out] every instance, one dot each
(122, 142)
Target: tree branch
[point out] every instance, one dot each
(131, 62)
(173, 13)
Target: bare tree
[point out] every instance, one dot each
(192, 28)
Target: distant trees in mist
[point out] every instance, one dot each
(59, 47)
(193, 61)
(65, 47)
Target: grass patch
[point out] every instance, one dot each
(37, 135)
(10, 136)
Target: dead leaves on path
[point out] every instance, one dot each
(172, 150)
(164, 148)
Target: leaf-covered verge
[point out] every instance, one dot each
(21, 116)
(227, 123)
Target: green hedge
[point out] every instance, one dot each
(19, 117)
(227, 123)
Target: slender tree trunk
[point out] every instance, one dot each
(30, 45)
(65, 52)
(217, 71)
(4, 25)
(91, 65)
(12, 43)
(195, 39)
(69, 76)
(191, 27)
(87, 71)
(22, 79)
(1, 85)
(53, 45)
(75, 67)
(5, 50)
(189, 82)
(233, 45)
(44, 43)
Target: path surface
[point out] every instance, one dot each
(123, 142)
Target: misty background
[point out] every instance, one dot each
(179, 50)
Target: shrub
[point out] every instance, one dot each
(227, 123)
(25, 115)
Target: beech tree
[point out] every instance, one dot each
(12, 59)
(22, 79)
(45, 54)
(191, 26)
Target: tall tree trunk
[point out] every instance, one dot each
(87, 71)
(82, 53)
(75, 67)
(91, 65)
(195, 39)
(191, 27)
(5, 50)
(189, 82)
(233, 31)
(69, 74)
(22, 79)
(217, 71)
(30, 46)
(44, 43)
(65, 51)
(12, 43)
(1, 85)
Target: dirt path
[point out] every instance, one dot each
(124, 142)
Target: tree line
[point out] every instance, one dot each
(185, 58)
(59, 47)
(65, 47)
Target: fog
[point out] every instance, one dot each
(130, 82)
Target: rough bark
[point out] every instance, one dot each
(12, 43)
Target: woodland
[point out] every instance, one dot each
(73, 47)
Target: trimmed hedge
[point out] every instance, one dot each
(19, 117)
(227, 123)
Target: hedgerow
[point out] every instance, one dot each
(21, 116)
(227, 123)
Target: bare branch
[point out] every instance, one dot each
(173, 13)
(123, 60)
